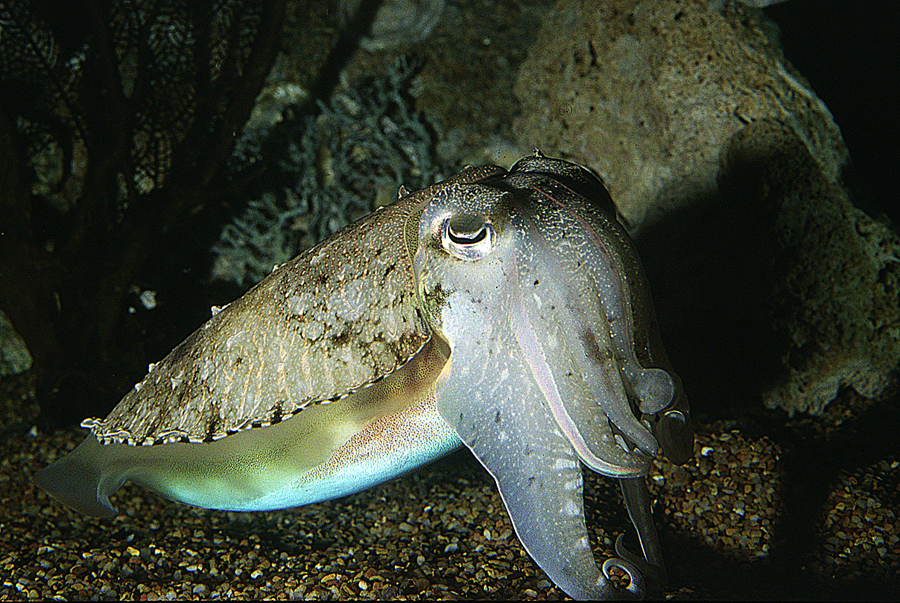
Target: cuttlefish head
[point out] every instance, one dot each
(536, 292)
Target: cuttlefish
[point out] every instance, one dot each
(507, 311)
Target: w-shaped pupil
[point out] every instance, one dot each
(467, 229)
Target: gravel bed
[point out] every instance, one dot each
(757, 513)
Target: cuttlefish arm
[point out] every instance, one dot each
(527, 282)
(499, 411)
(615, 267)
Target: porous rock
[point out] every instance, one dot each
(829, 273)
(690, 113)
(648, 94)
(14, 356)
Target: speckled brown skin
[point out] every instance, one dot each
(345, 304)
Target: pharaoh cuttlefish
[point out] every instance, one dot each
(507, 311)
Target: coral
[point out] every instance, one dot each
(335, 167)
(116, 120)
(160, 51)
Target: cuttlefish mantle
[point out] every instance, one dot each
(506, 311)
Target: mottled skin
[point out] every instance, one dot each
(533, 284)
(327, 323)
(505, 310)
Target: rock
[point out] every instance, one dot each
(394, 22)
(829, 273)
(14, 356)
(728, 168)
(648, 94)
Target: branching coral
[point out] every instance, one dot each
(115, 122)
(335, 167)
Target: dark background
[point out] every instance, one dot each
(849, 53)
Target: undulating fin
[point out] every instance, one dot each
(324, 452)
(77, 480)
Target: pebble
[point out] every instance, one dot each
(442, 532)
(728, 494)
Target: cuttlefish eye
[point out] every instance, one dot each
(467, 236)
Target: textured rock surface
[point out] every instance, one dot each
(14, 356)
(395, 22)
(648, 93)
(835, 295)
(696, 122)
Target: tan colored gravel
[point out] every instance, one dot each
(728, 527)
